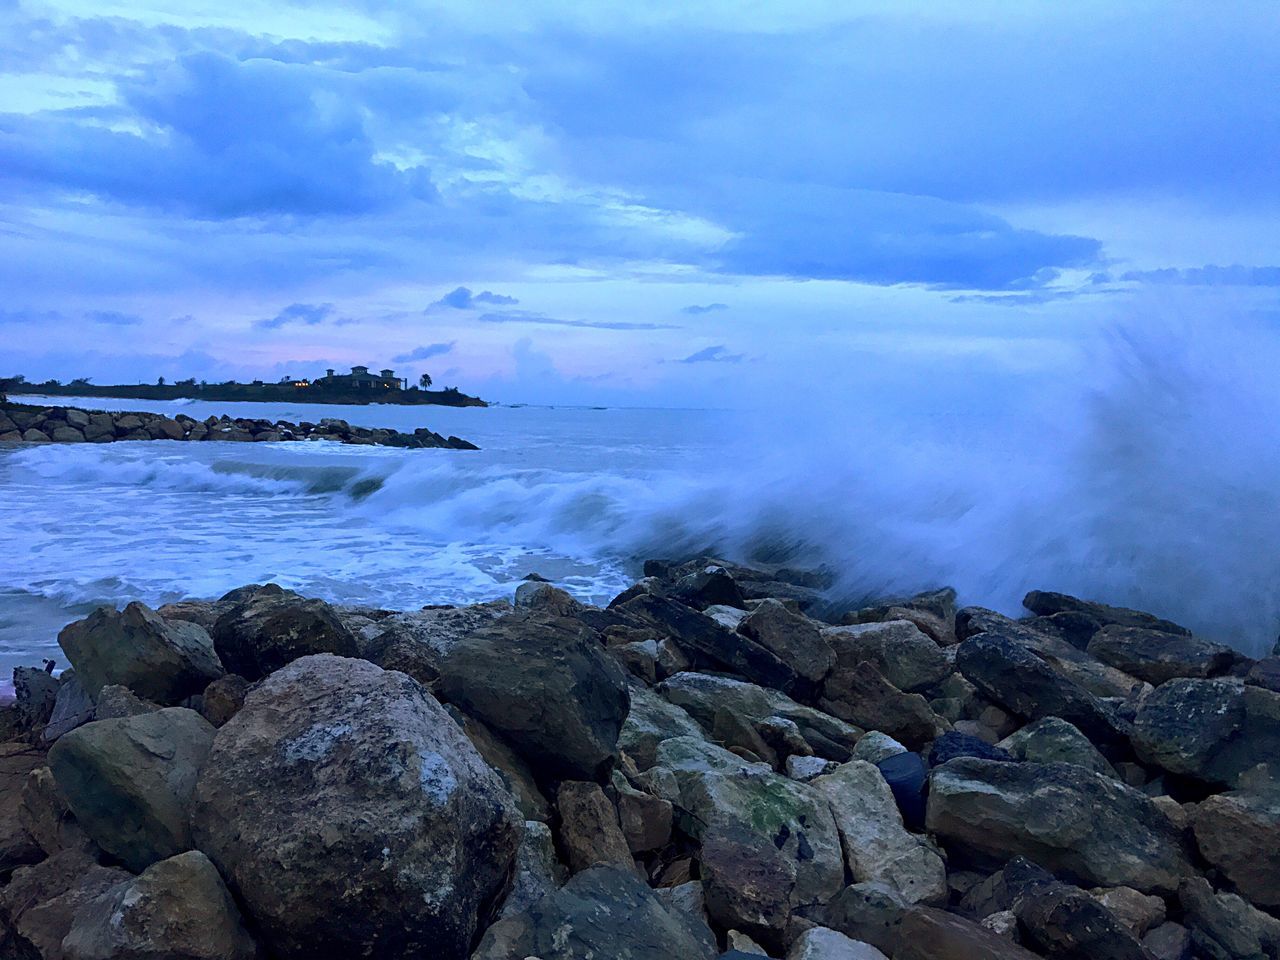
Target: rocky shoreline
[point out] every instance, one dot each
(702, 769)
(21, 423)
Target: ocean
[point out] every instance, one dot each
(1151, 479)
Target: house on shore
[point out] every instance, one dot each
(361, 379)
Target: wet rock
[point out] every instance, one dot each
(17, 845)
(863, 695)
(1053, 740)
(351, 816)
(711, 585)
(546, 597)
(205, 613)
(930, 934)
(507, 764)
(877, 847)
(1156, 656)
(1068, 819)
(589, 830)
(129, 781)
(1213, 730)
(794, 639)
(749, 885)
(161, 660)
(1065, 923)
(223, 698)
(573, 696)
(689, 902)
(1224, 926)
(1047, 604)
(537, 872)
(176, 908)
(908, 659)
(1233, 832)
(72, 707)
(41, 902)
(272, 629)
(415, 642)
(953, 744)
(1265, 673)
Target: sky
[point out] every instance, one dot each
(668, 203)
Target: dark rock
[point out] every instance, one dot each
(415, 642)
(792, 638)
(115, 702)
(907, 777)
(572, 695)
(1225, 927)
(1052, 740)
(35, 694)
(47, 818)
(17, 845)
(536, 872)
(507, 764)
(951, 745)
(1169, 941)
(223, 698)
(268, 631)
(589, 829)
(1265, 673)
(908, 659)
(1239, 833)
(706, 587)
(1065, 923)
(41, 902)
(645, 819)
(1021, 682)
(129, 781)
(1075, 822)
(177, 908)
(1047, 604)
(870, 912)
(750, 886)
(602, 912)
(161, 660)
(998, 892)
(547, 598)
(72, 707)
(351, 816)
(930, 934)
(1156, 656)
(863, 695)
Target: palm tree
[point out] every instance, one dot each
(424, 381)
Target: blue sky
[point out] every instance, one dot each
(680, 203)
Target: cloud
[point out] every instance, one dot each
(304, 313)
(425, 353)
(1209, 276)
(461, 298)
(113, 318)
(528, 316)
(695, 309)
(716, 354)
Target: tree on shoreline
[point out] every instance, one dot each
(425, 381)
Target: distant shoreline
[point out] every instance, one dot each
(269, 393)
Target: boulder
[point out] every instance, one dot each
(708, 586)
(352, 817)
(272, 628)
(129, 781)
(689, 901)
(414, 642)
(72, 707)
(41, 902)
(1047, 604)
(176, 908)
(223, 698)
(1139, 912)
(602, 912)
(1053, 740)
(1169, 941)
(1265, 673)
(794, 639)
(930, 934)
(877, 847)
(909, 660)
(546, 597)
(1232, 830)
(870, 912)
(1156, 656)
(1225, 926)
(954, 744)
(32, 435)
(820, 943)
(17, 845)
(47, 818)
(35, 695)
(507, 764)
(1020, 681)
(1213, 730)
(1065, 923)
(589, 830)
(645, 819)
(115, 702)
(650, 721)
(572, 696)
(537, 872)
(1074, 822)
(750, 886)
(863, 695)
(875, 746)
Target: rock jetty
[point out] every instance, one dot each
(21, 423)
(715, 765)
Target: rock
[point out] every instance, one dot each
(876, 746)
(863, 695)
(953, 744)
(820, 943)
(72, 707)
(702, 695)
(115, 702)
(1001, 889)
(414, 643)
(573, 696)
(550, 599)
(507, 764)
(1156, 656)
(870, 912)
(47, 818)
(1137, 911)
(1265, 673)
(1053, 740)
(602, 912)
(689, 902)
(640, 659)
(735, 732)
(749, 811)
(645, 819)
(161, 660)
(1223, 925)
(930, 934)
(41, 902)
(223, 698)
(32, 435)
(739, 943)
(877, 847)
(650, 721)
(711, 585)
(1213, 730)
(1232, 830)
(805, 769)
(272, 629)
(907, 777)
(1068, 819)
(907, 658)
(67, 434)
(537, 872)
(35, 695)
(176, 908)
(17, 845)
(589, 829)
(1169, 941)
(1047, 604)
(792, 638)
(707, 638)
(202, 612)
(129, 781)
(352, 817)
(1065, 923)
(1021, 682)
(1003, 923)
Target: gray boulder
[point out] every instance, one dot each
(1226, 927)
(272, 627)
(1047, 604)
(871, 912)
(1234, 831)
(863, 695)
(72, 707)
(351, 816)
(909, 660)
(572, 697)
(1053, 740)
(129, 781)
(792, 638)
(930, 934)
(820, 943)
(48, 819)
(1072, 821)
(1156, 656)
(41, 902)
(537, 872)
(160, 660)
(415, 642)
(176, 908)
